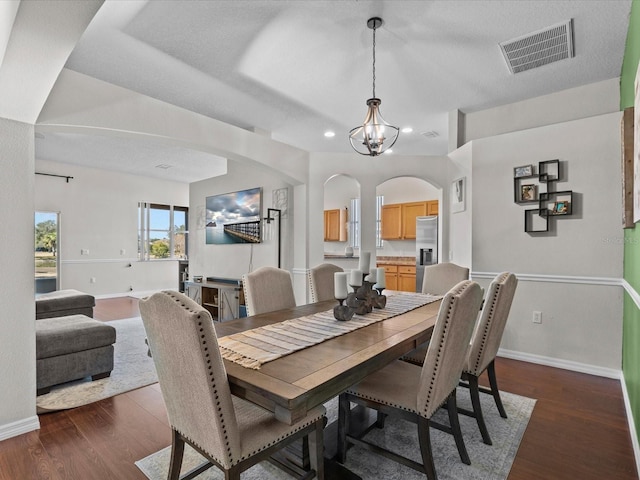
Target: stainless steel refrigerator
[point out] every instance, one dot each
(426, 246)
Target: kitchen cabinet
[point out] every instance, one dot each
(400, 277)
(399, 219)
(406, 278)
(335, 225)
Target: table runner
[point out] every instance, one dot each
(255, 347)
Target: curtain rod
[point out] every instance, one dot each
(54, 175)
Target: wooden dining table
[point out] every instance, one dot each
(293, 384)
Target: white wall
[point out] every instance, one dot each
(99, 212)
(582, 315)
(460, 222)
(369, 175)
(559, 107)
(17, 320)
(232, 261)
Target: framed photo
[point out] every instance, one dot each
(561, 208)
(523, 171)
(528, 193)
(458, 195)
(636, 149)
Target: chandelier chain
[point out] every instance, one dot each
(374, 60)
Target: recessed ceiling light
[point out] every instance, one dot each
(389, 151)
(329, 134)
(407, 130)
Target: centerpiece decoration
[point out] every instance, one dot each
(366, 294)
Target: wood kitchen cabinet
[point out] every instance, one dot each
(400, 277)
(399, 219)
(406, 278)
(335, 225)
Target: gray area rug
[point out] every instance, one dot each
(487, 462)
(132, 369)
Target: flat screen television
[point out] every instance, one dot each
(234, 217)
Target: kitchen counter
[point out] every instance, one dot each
(395, 260)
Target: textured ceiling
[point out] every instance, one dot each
(298, 68)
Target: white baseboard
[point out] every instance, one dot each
(560, 363)
(18, 428)
(632, 426)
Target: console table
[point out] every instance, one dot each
(222, 297)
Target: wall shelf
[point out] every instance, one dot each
(539, 189)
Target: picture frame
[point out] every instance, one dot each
(636, 148)
(528, 193)
(523, 171)
(458, 195)
(561, 208)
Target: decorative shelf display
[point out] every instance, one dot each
(539, 189)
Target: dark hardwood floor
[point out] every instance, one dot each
(578, 429)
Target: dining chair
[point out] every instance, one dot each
(484, 347)
(321, 282)
(268, 289)
(231, 433)
(415, 393)
(438, 279)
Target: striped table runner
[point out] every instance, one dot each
(255, 347)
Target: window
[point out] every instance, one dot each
(163, 231)
(354, 222)
(379, 202)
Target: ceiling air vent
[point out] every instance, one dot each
(539, 48)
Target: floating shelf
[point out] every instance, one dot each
(540, 190)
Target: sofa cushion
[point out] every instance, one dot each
(70, 334)
(63, 300)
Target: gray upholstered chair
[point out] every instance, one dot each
(321, 281)
(485, 344)
(415, 393)
(438, 279)
(268, 289)
(231, 433)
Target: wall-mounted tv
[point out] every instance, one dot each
(234, 217)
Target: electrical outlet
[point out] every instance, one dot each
(537, 317)
(122, 251)
(84, 251)
(92, 280)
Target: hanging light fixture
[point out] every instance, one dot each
(375, 135)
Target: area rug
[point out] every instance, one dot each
(132, 369)
(487, 462)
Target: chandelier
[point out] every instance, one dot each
(375, 135)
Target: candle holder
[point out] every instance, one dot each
(379, 300)
(342, 312)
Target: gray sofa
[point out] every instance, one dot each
(70, 346)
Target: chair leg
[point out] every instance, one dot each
(232, 474)
(380, 420)
(452, 410)
(491, 372)
(177, 451)
(316, 450)
(424, 435)
(477, 409)
(344, 407)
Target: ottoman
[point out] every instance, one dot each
(72, 347)
(64, 302)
